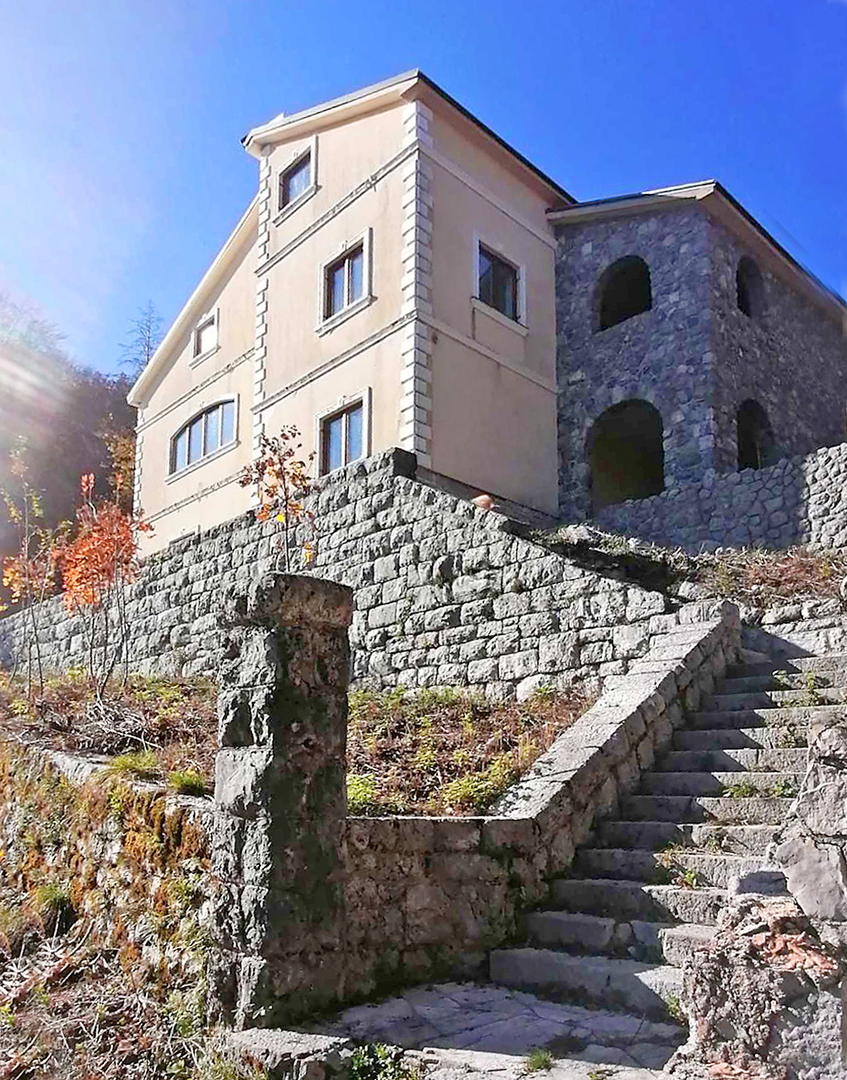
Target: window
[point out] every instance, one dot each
(206, 336)
(624, 290)
(342, 437)
(749, 288)
(498, 283)
(295, 181)
(210, 431)
(344, 282)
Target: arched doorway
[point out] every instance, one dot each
(756, 446)
(625, 452)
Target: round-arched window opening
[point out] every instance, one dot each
(749, 288)
(756, 447)
(624, 290)
(625, 452)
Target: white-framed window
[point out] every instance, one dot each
(296, 180)
(205, 434)
(498, 282)
(205, 338)
(344, 433)
(346, 282)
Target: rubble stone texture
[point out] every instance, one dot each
(696, 357)
(444, 593)
(799, 500)
(280, 798)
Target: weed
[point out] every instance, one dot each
(743, 789)
(602, 1073)
(539, 1060)
(675, 1009)
(784, 789)
(219, 1068)
(187, 782)
(41, 995)
(362, 796)
(376, 1061)
(53, 906)
(7, 1017)
(140, 764)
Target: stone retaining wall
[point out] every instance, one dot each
(800, 500)
(445, 593)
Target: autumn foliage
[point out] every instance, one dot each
(281, 480)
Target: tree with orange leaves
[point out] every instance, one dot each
(282, 482)
(97, 564)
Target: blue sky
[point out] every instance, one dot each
(122, 173)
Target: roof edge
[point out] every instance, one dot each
(160, 359)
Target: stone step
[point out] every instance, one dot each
(753, 738)
(596, 1061)
(721, 870)
(797, 717)
(627, 900)
(747, 657)
(782, 679)
(618, 985)
(744, 760)
(656, 835)
(688, 809)
(823, 664)
(728, 784)
(768, 699)
(643, 941)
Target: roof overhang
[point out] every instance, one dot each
(196, 305)
(714, 199)
(409, 86)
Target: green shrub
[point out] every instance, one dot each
(187, 782)
(376, 1061)
(362, 795)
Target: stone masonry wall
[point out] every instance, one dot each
(662, 356)
(445, 593)
(800, 500)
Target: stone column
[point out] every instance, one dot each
(280, 800)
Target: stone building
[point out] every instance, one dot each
(404, 278)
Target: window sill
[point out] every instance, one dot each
(219, 453)
(196, 361)
(498, 316)
(342, 316)
(286, 211)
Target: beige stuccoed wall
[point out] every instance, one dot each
(195, 498)
(493, 387)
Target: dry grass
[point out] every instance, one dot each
(155, 728)
(70, 1011)
(446, 751)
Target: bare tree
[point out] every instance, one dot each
(145, 335)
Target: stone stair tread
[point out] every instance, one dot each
(654, 835)
(832, 662)
(780, 679)
(762, 717)
(693, 809)
(657, 782)
(626, 900)
(766, 737)
(782, 759)
(469, 1064)
(623, 985)
(762, 699)
(719, 870)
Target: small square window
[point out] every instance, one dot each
(206, 336)
(345, 281)
(498, 283)
(342, 438)
(295, 181)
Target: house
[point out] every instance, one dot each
(403, 277)
(345, 304)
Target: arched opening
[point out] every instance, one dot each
(625, 452)
(749, 288)
(624, 291)
(755, 437)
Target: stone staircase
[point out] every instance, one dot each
(645, 891)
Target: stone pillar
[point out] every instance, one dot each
(280, 800)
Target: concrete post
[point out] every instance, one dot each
(280, 800)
